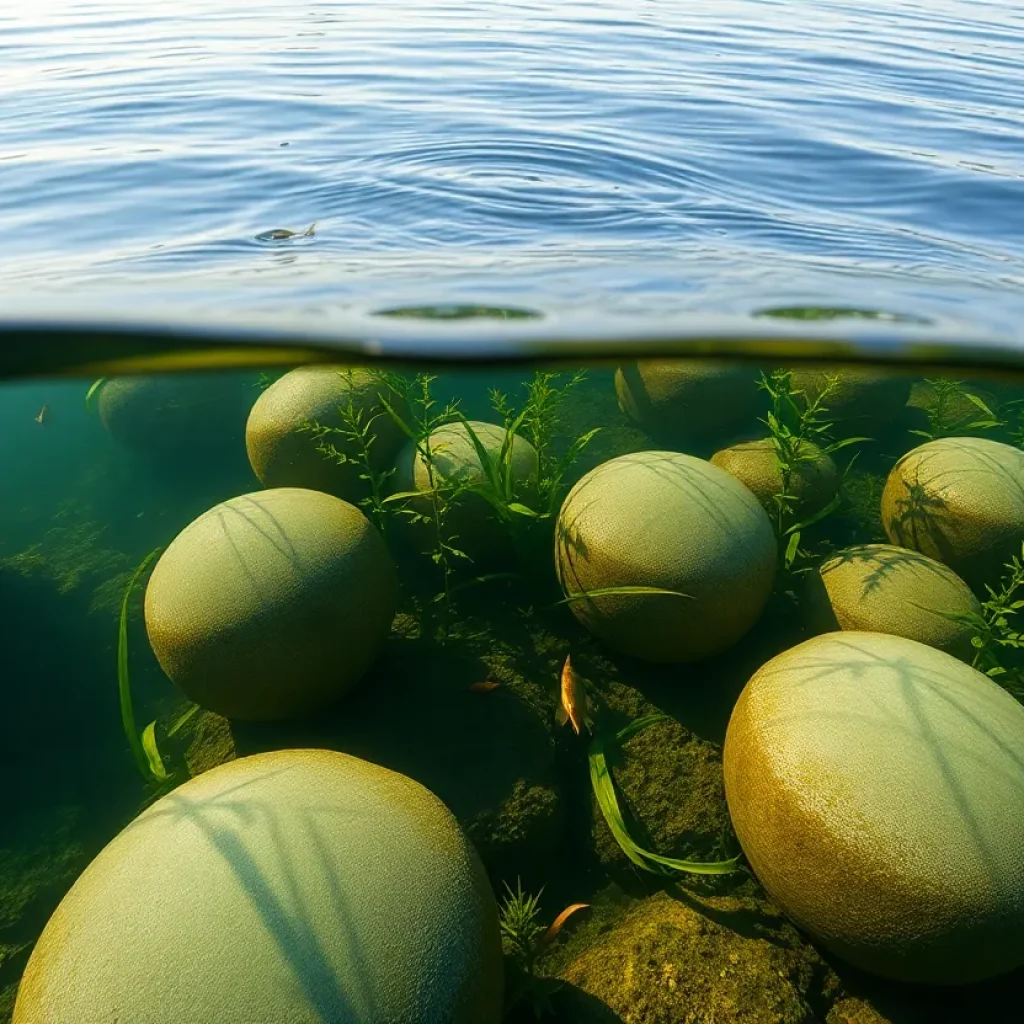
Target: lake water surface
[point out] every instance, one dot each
(616, 155)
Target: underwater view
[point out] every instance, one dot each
(607, 692)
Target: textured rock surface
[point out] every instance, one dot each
(877, 788)
(666, 961)
(698, 405)
(813, 481)
(960, 500)
(283, 452)
(885, 589)
(271, 603)
(666, 520)
(300, 886)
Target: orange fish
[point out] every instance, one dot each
(41, 418)
(575, 704)
(485, 687)
(552, 933)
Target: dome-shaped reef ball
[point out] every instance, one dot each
(884, 589)
(858, 399)
(960, 500)
(877, 787)
(456, 461)
(302, 885)
(283, 451)
(174, 414)
(271, 603)
(672, 521)
(696, 404)
(813, 480)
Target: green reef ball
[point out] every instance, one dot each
(283, 451)
(456, 461)
(669, 521)
(271, 604)
(696, 403)
(813, 480)
(175, 414)
(876, 786)
(861, 399)
(299, 886)
(960, 500)
(884, 589)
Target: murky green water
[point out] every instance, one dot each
(727, 654)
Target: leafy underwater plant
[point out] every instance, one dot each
(996, 634)
(800, 432)
(143, 745)
(948, 397)
(524, 938)
(607, 800)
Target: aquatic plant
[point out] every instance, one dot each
(607, 800)
(92, 395)
(143, 745)
(997, 633)
(946, 407)
(799, 430)
(524, 939)
(357, 434)
(540, 422)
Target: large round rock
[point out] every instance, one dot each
(285, 452)
(669, 521)
(302, 885)
(456, 465)
(859, 400)
(813, 479)
(271, 603)
(960, 500)
(886, 589)
(695, 404)
(876, 786)
(175, 414)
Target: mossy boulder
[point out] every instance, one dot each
(724, 959)
(670, 784)
(813, 479)
(271, 604)
(669, 521)
(176, 415)
(876, 786)
(959, 500)
(300, 886)
(879, 588)
(285, 452)
(863, 401)
(693, 404)
(457, 467)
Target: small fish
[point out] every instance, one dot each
(575, 704)
(485, 687)
(279, 234)
(42, 417)
(556, 926)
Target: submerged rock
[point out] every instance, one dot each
(283, 449)
(813, 480)
(301, 886)
(696, 405)
(691, 961)
(876, 786)
(674, 522)
(271, 604)
(959, 500)
(884, 589)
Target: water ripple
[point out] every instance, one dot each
(630, 156)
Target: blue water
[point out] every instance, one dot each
(621, 156)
